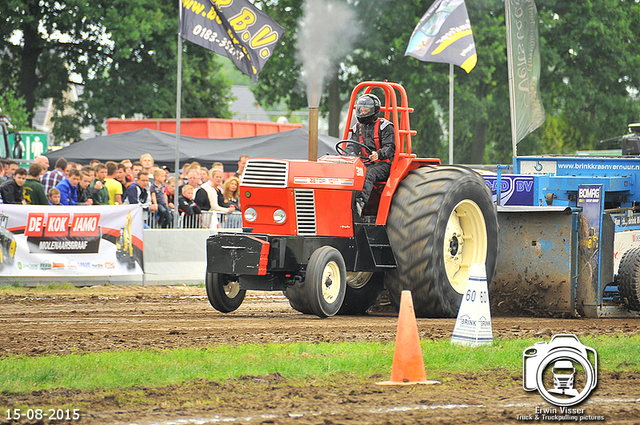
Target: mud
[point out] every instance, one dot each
(94, 319)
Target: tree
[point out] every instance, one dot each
(590, 56)
(13, 107)
(57, 39)
(121, 53)
(139, 71)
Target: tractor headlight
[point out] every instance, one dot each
(250, 214)
(279, 216)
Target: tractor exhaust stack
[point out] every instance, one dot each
(313, 134)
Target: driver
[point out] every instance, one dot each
(377, 134)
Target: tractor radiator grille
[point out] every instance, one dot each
(265, 173)
(306, 212)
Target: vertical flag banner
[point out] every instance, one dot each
(523, 55)
(444, 35)
(232, 28)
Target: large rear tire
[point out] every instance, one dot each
(326, 281)
(628, 278)
(224, 293)
(442, 220)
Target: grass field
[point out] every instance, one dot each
(124, 369)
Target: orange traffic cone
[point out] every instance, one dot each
(408, 364)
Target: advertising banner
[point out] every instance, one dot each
(60, 241)
(232, 28)
(523, 54)
(514, 190)
(444, 35)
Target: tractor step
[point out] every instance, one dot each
(379, 246)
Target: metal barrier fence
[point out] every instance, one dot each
(204, 220)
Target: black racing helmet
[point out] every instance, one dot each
(367, 108)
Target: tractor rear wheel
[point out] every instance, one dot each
(224, 293)
(442, 220)
(362, 292)
(628, 278)
(326, 281)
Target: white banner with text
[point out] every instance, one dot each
(61, 241)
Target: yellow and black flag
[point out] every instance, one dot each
(232, 28)
(444, 35)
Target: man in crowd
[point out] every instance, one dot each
(68, 188)
(84, 189)
(200, 197)
(138, 193)
(4, 166)
(242, 162)
(32, 190)
(41, 159)
(99, 192)
(136, 167)
(114, 188)
(52, 178)
(13, 166)
(146, 161)
(121, 177)
(128, 172)
(11, 190)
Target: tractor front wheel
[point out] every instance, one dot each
(325, 282)
(224, 293)
(442, 220)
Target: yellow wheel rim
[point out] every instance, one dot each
(357, 280)
(331, 282)
(465, 243)
(231, 289)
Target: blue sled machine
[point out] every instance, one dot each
(569, 236)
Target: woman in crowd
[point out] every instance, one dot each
(170, 191)
(231, 198)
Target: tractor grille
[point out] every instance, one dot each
(266, 173)
(306, 212)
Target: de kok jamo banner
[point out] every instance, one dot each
(70, 241)
(232, 28)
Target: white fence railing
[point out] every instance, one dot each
(204, 220)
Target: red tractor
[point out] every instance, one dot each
(421, 230)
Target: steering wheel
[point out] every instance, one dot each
(343, 152)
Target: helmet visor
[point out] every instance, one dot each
(365, 107)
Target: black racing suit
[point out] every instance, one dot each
(377, 171)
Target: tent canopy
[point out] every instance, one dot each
(293, 144)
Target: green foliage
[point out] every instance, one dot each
(18, 289)
(591, 67)
(13, 107)
(121, 54)
(124, 369)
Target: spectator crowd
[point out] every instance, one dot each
(203, 194)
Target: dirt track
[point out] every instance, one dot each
(119, 318)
